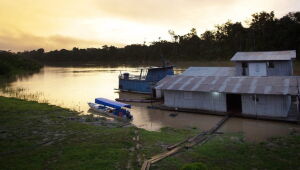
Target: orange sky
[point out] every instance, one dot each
(57, 24)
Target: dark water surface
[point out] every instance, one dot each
(73, 87)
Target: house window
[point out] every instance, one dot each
(244, 67)
(270, 64)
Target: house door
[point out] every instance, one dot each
(234, 103)
(257, 69)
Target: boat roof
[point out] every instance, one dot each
(111, 103)
(154, 67)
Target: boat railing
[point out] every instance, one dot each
(132, 77)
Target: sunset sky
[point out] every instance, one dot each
(57, 24)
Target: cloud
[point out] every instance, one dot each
(185, 14)
(25, 41)
(60, 24)
(163, 11)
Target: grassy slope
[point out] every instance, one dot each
(40, 136)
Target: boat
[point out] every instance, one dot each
(136, 100)
(111, 108)
(145, 81)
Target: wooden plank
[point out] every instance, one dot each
(146, 165)
(201, 138)
(166, 154)
(218, 125)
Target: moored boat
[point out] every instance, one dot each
(144, 82)
(111, 108)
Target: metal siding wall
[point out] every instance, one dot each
(238, 69)
(199, 100)
(169, 98)
(292, 67)
(158, 93)
(248, 105)
(268, 105)
(281, 68)
(220, 104)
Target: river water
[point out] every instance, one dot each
(73, 87)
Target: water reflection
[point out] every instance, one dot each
(73, 87)
(258, 130)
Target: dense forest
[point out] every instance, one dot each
(13, 64)
(264, 32)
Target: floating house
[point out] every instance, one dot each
(260, 85)
(144, 82)
(272, 63)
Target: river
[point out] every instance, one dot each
(73, 87)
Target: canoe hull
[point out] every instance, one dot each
(106, 111)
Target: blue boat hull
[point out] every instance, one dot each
(139, 86)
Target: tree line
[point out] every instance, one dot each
(264, 32)
(13, 64)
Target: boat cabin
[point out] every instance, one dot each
(145, 81)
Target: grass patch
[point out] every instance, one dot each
(231, 152)
(40, 136)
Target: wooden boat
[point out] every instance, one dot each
(111, 108)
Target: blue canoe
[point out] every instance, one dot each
(111, 103)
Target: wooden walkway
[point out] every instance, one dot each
(187, 143)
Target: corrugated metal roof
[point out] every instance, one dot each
(284, 85)
(264, 55)
(209, 71)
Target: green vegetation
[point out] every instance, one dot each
(13, 64)
(263, 32)
(41, 136)
(231, 152)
